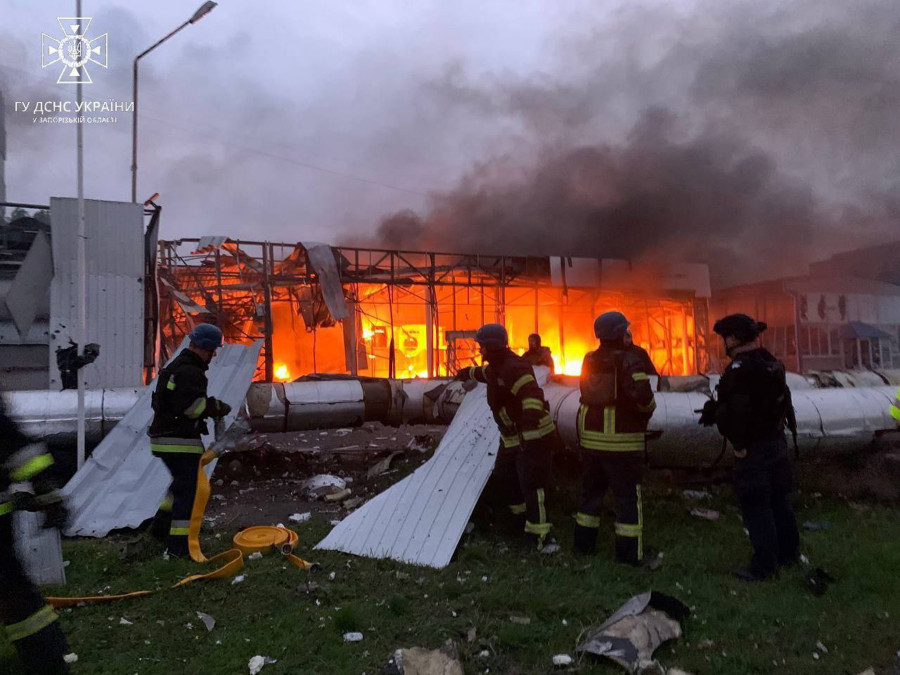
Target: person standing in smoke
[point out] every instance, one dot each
(527, 432)
(537, 354)
(752, 407)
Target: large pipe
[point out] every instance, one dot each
(829, 420)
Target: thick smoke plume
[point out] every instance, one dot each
(767, 146)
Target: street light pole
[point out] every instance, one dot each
(204, 9)
(81, 264)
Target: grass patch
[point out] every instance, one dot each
(274, 612)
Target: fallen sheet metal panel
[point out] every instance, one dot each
(321, 257)
(121, 483)
(115, 292)
(420, 520)
(39, 550)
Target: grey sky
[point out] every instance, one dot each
(452, 100)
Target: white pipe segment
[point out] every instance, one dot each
(828, 420)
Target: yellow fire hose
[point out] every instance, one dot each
(262, 539)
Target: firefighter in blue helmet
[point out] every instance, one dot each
(616, 406)
(31, 624)
(527, 432)
(181, 408)
(752, 408)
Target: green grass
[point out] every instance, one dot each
(274, 612)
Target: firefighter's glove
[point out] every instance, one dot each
(217, 408)
(462, 375)
(707, 414)
(56, 516)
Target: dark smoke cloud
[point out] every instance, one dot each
(762, 136)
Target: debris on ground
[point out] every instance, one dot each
(353, 637)
(207, 620)
(353, 502)
(520, 620)
(631, 635)
(657, 562)
(131, 548)
(419, 661)
(257, 662)
(868, 671)
(471, 635)
(383, 465)
(562, 660)
(817, 581)
(696, 494)
(70, 658)
(816, 526)
(470, 527)
(706, 644)
(422, 443)
(238, 579)
(822, 648)
(299, 517)
(338, 496)
(256, 555)
(322, 485)
(706, 514)
(550, 549)
(125, 622)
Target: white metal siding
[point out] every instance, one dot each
(115, 296)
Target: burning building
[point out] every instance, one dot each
(404, 314)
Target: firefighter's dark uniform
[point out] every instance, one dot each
(31, 624)
(616, 405)
(641, 353)
(181, 407)
(751, 410)
(524, 460)
(540, 357)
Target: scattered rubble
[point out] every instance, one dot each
(338, 496)
(383, 465)
(125, 622)
(419, 661)
(71, 658)
(322, 485)
(631, 635)
(238, 579)
(706, 514)
(520, 620)
(257, 662)
(299, 517)
(562, 660)
(207, 620)
(696, 494)
(353, 637)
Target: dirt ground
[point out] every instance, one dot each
(264, 484)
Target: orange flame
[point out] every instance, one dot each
(282, 374)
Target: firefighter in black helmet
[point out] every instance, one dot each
(753, 406)
(31, 624)
(526, 430)
(616, 405)
(181, 408)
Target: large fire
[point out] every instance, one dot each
(282, 373)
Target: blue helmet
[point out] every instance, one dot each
(207, 336)
(492, 336)
(611, 326)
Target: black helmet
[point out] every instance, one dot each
(492, 336)
(611, 326)
(740, 326)
(534, 337)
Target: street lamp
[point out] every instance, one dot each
(204, 9)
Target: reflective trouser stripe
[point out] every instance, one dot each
(585, 520)
(628, 530)
(179, 528)
(895, 408)
(33, 624)
(542, 508)
(31, 468)
(189, 445)
(517, 509)
(541, 529)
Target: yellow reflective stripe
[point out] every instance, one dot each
(179, 531)
(521, 382)
(532, 404)
(171, 447)
(170, 385)
(609, 420)
(895, 412)
(33, 624)
(542, 510)
(509, 441)
(166, 504)
(585, 520)
(639, 377)
(541, 529)
(196, 408)
(640, 507)
(628, 530)
(648, 408)
(5, 507)
(545, 428)
(595, 440)
(517, 509)
(31, 468)
(507, 420)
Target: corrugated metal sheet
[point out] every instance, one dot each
(28, 293)
(115, 296)
(421, 519)
(39, 550)
(321, 256)
(121, 483)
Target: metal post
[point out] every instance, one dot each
(267, 293)
(81, 293)
(134, 130)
